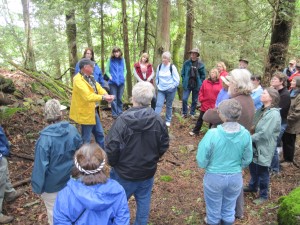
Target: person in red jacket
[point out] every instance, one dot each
(222, 69)
(207, 97)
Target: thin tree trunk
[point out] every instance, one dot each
(133, 31)
(71, 38)
(29, 55)
(102, 36)
(189, 28)
(56, 56)
(126, 49)
(280, 37)
(145, 48)
(162, 38)
(87, 23)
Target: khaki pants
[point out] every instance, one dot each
(49, 200)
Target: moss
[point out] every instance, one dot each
(289, 210)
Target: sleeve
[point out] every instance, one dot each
(152, 74)
(205, 149)
(201, 93)
(157, 75)
(40, 167)
(98, 75)
(83, 91)
(294, 114)
(248, 153)
(77, 68)
(136, 75)
(4, 146)
(164, 140)
(66, 209)
(125, 69)
(107, 68)
(77, 140)
(101, 90)
(212, 116)
(112, 144)
(175, 75)
(202, 72)
(183, 70)
(256, 97)
(122, 214)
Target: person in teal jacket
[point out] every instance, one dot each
(223, 153)
(266, 129)
(90, 196)
(53, 159)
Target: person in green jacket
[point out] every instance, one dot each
(265, 131)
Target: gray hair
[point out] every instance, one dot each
(53, 110)
(274, 96)
(142, 93)
(166, 55)
(230, 109)
(85, 61)
(241, 80)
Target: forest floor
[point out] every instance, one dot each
(177, 196)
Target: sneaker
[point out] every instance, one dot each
(192, 133)
(184, 116)
(14, 195)
(193, 117)
(168, 124)
(248, 189)
(6, 219)
(259, 201)
(205, 220)
(286, 164)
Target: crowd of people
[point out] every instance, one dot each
(82, 181)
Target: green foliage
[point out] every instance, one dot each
(289, 210)
(8, 112)
(181, 120)
(192, 219)
(166, 178)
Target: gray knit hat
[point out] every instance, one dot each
(231, 109)
(52, 110)
(85, 61)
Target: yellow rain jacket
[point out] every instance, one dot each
(84, 100)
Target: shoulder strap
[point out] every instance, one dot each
(159, 67)
(171, 69)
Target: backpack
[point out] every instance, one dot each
(192, 82)
(171, 70)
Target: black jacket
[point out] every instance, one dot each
(135, 142)
(284, 104)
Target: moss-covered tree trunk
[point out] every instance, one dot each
(281, 33)
(29, 55)
(126, 49)
(146, 27)
(71, 38)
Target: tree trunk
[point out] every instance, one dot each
(281, 33)
(162, 38)
(145, 48)
(29, 55)
(126, 49)
(87, 23)
(102, 36)
(178, 41)
(71, 38)
(134, 34)
(189, 28)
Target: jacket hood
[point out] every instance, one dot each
(57, 129)
(99, 197)
(232, 137)
(139, 118)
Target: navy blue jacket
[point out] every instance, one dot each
(4, 146)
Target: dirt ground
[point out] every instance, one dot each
(177, 196)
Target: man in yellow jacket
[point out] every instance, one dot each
(86, 96)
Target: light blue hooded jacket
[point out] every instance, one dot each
(104, 204)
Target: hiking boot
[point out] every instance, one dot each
(259, 201)
(6, 219)
(286, 164)
(14, 195)
(248, 189)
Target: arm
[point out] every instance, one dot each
(98, 75)
(202, 72)
(40, 167)
(175, 75)
(294, 114)
(201, 93)
(164, 140)
(112, 144)
(107, 68)
(205, 149)
(136, 75)
(122, 214)
(125, 69)
(248, 153)
(82, 88)
(151, 76)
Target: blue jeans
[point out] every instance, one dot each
(259, 178)
(97, 130)
(117, 104)
(141, 190)
(185, 97)
(220, 193)
(275, 161)
(169, 96)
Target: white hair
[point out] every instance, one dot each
(142, 93)
(166, 55)
(241, 82)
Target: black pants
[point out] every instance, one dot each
(288, 146)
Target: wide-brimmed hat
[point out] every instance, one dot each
(225, 80)
(195, 50)
(244, 60)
